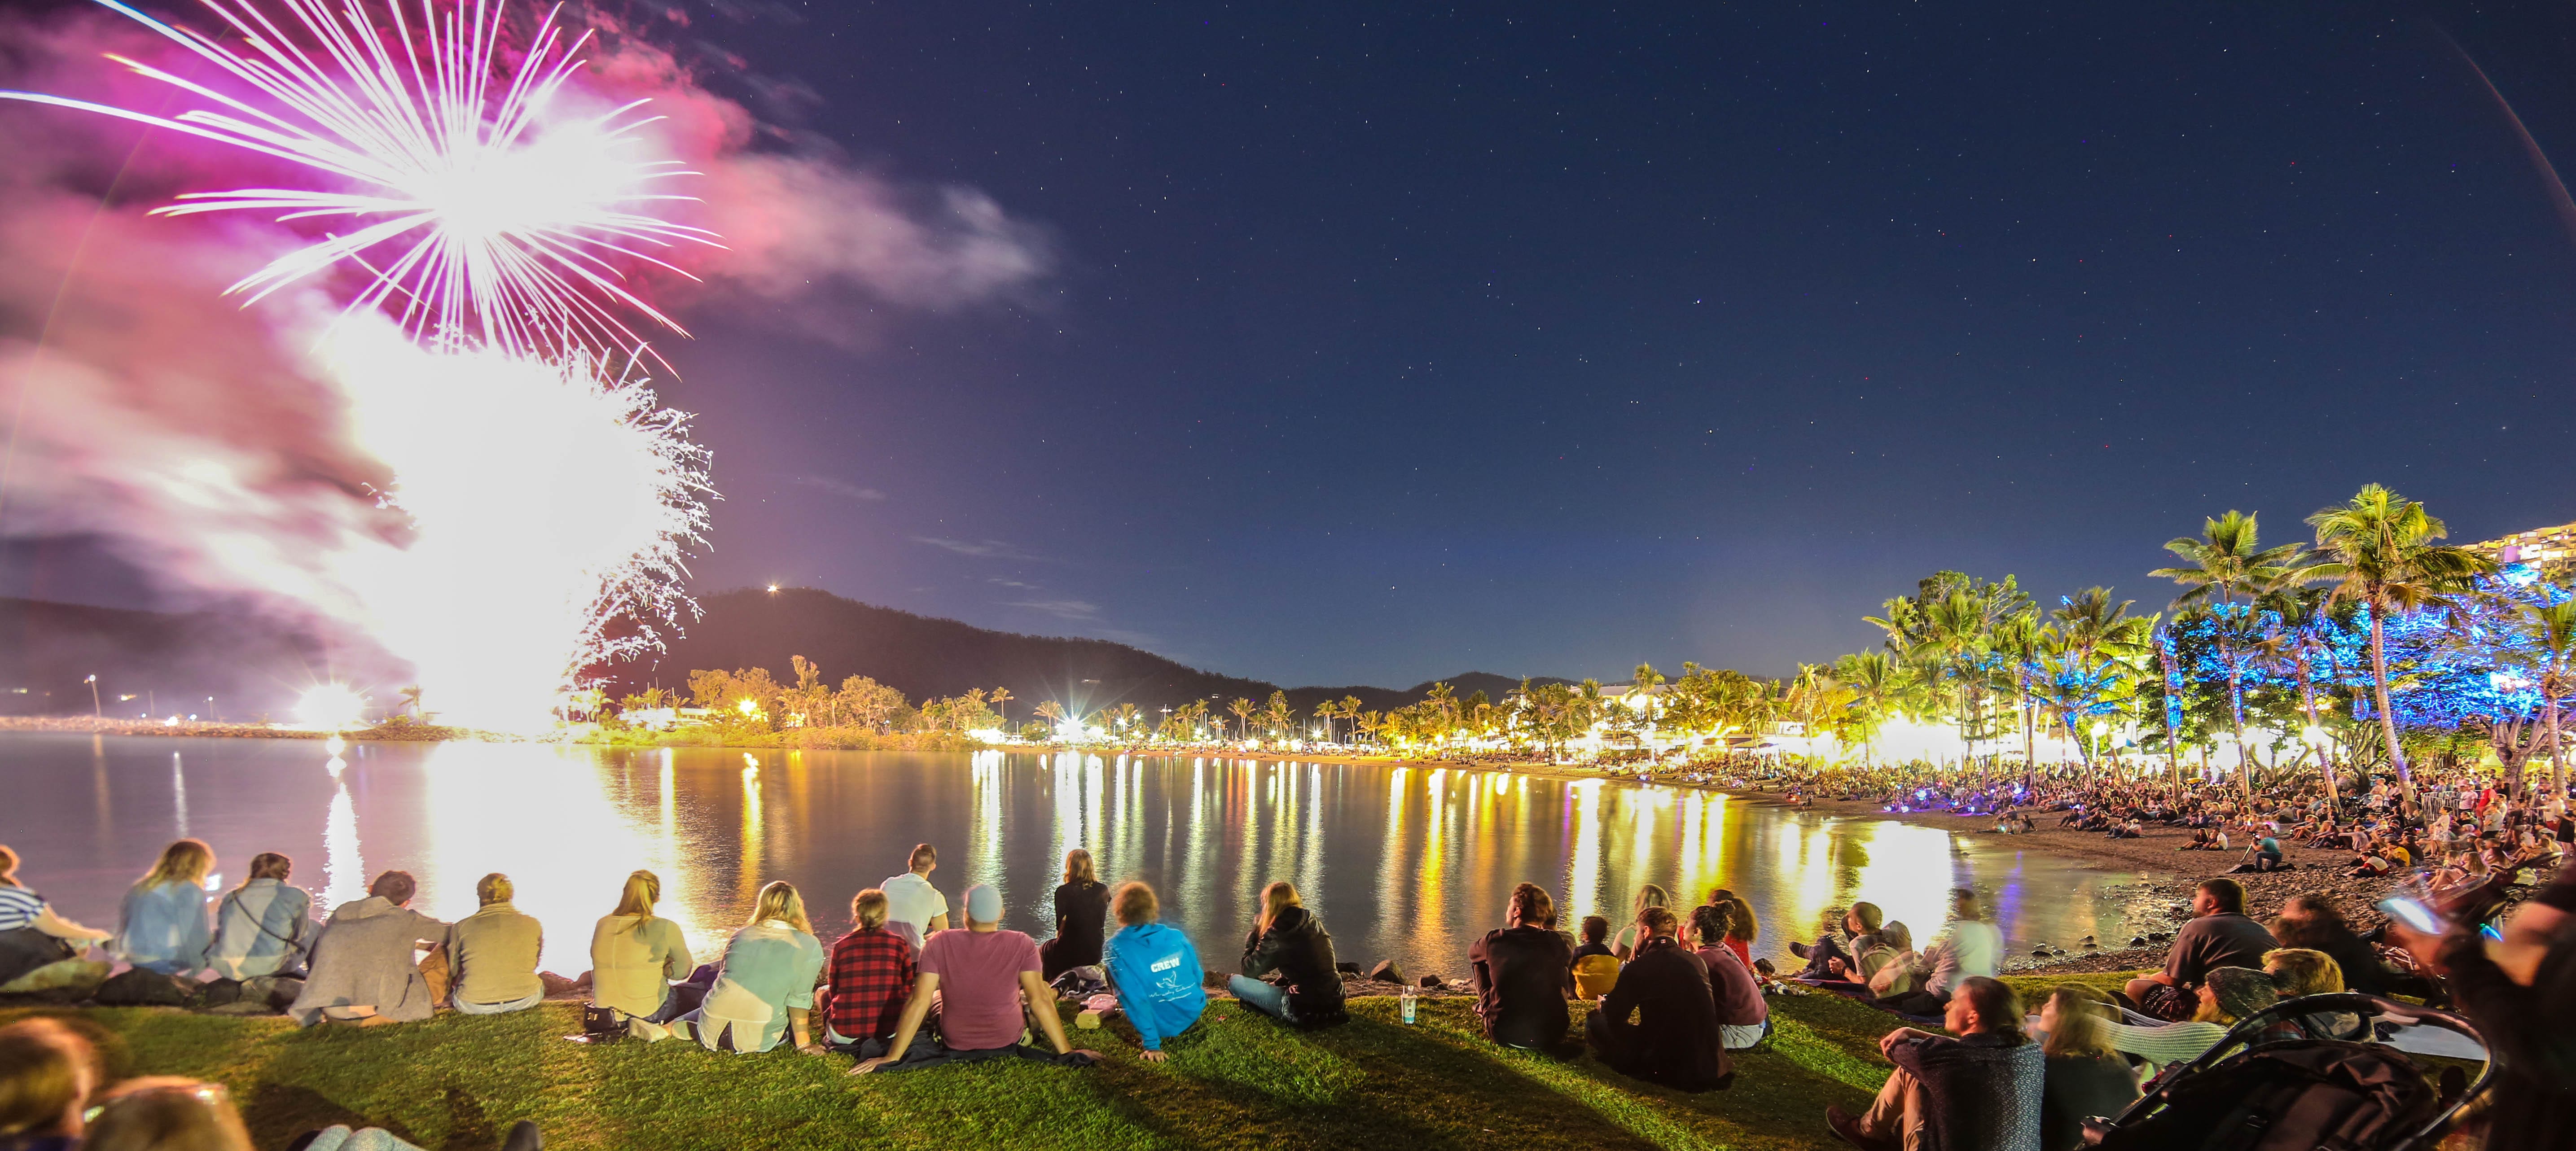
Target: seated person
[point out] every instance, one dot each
(2263, 855)
(165, 1111)
(1890, 967)
(1596, 967)
(872, 971)
(764, 991)
(1155, 971)
(1985, 1088)
(2199, 841)
(1859, 926)
(1743, 1016)
(162, 924)
(1081, 918)
(1523, 972)
(2299, 971)
(47, 1074)
(32, 936)
(636, 956)
(1289, 943)
(1674, 1039)
(264, 926)
(363, 970)
(492, 954)
(2231, 993)
(988, 983)
(2086, 1076)
(2219, 935)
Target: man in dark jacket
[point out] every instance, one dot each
(2521, 993)
(1982, 1090)
(2219, 935)
(1524, 971)
(1675, 1040)
(1294, 946)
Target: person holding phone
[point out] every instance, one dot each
(2520, 990)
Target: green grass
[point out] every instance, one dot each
(1236, 1081)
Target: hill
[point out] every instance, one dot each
(924, 656)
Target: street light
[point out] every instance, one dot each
(95, 714)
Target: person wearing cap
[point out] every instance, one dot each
(2521, 992)
(988, 983)
(2229, 994)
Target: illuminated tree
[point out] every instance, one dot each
(2380, 553)
(2224, 562)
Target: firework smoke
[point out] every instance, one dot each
(474, 515)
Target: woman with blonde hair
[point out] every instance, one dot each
(1081, 918)
(2299, 971)
(31, 935)
(162, 924)
(1651, 895)
(1893, 968)
(264, 926)
(765, 990)
(635, 955)
(1291, 945)
(2086, 1076)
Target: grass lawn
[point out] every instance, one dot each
(1238, 1080)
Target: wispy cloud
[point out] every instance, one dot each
(980, 549)
(998, 581)
(842, 488)
(1061, 608)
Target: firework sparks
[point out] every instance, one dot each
(485, 214)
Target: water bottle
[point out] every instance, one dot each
(1408, 999)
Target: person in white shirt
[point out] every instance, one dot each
(912, 905)
(1970, 946)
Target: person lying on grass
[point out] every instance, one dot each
(988, 984)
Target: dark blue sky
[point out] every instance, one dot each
(1549, 338)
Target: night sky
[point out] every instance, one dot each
(1381, 345)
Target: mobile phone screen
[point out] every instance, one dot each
(2413, 914)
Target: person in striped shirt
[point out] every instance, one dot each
(31, 935)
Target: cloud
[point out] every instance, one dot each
(842, 488)
(984, 549)
(1061, 608)
(1012, 583)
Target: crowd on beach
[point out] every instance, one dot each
(1672, 997)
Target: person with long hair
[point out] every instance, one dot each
(265, 926)
(363, 970)
(1291, 946)
(1968, 947)
(2312, 922)
(31, 934)
(2226, 995)
(1081, 918)
(47, 1074)
(636, 956)
(1743, 1016)
(162, 924)
(1154, 968)
(2085, 1075)
(1981, 1089)
(1523, 971)
(1650, 895)
(493, 953)
(1741, 929)
(765, 990)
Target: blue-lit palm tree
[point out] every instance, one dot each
(2225, 561)
(2380, 552)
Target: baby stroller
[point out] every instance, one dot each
(2259, 1091)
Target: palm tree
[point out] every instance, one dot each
(1277, 713)
(2226, 560)
(1000, 696)
(411, 699)
(2017, 640)
(1876, 681)
(2297, 619)
(2381, 555)
(1351, 712)
(2552, 630)
(1242, 709)
(1052, 712)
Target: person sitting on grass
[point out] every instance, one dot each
(1743, 1016)
(765, 990)
(1970, 946)
(1523, 972)
(914, 907)
(1291, 945)
(162, 925)
(31, 935)
(2219, 935)
(363, 970)
(1674, 1039)
(1984, 1089)
(2229, 994)
(636, 956)
(165, 1113)
(2298, 972)
(1596, 968)
(872, 974)
(2310, 920)
(264, 926)
(1741, 926)
(1625, 946)
(1081, 918)
(987, 983)
(2086, 1076)
(493, 953)
(1859, 936)
(1154, 969)
(47, 1074)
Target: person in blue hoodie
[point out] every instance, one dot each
(1154, 970)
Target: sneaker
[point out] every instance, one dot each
(1846, 1127)
(524, 1136)
(1798, 949)
(647, 1030)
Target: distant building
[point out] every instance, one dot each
(2553, 550)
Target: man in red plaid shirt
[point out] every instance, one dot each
(872, 970)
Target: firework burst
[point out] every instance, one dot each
(481, 213)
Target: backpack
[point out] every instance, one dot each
(2296, 1095)
(137, 987)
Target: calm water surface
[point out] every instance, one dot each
(1410, 864)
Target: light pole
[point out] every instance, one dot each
(96, 714)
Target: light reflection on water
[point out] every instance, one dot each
(1405, 863)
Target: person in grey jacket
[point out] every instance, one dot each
(363, 970)
(264, 926)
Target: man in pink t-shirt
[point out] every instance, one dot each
(983, 976)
